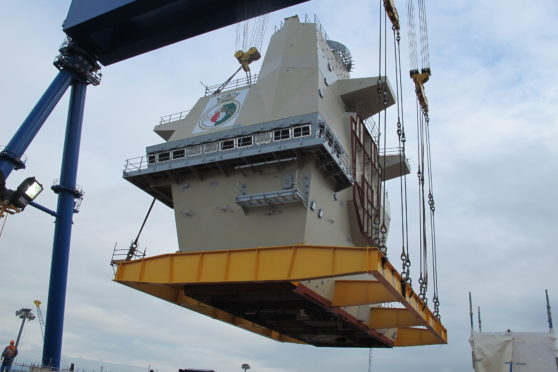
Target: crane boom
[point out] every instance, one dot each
(40, 315)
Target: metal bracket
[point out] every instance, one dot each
(17, 162)
(75, 59)
(74, 192)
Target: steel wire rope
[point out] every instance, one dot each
(425, 120)
(403, 150)
(421, 115)
(413, 58)
(376, 219)
(3, 223)
(405, 258)
(383, 227)
(423, 278)
(424, 32)
(421, 36)
(431, 203)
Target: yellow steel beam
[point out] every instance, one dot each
(290, 263)
(415, 337)
(286, 263)
(175, 295)
(360, 292)
(383, 317)
(388, 275)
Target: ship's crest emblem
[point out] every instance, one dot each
(221, 111)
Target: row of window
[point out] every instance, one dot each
(233, 143)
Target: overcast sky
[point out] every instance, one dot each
(494, 130)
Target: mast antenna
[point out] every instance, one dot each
(480, 324)
(548, 313)
(471, 311)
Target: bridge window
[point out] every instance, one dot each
(151, 158)
(177, 154)
(227, 145)
(281, 134)
(301, 131)
(164, 156)
(244, 141)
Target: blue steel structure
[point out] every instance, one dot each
(62, 232)
(77, 69)
(10, 158)
(105, 31)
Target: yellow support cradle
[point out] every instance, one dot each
(215, 283)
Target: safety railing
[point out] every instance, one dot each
(233, 84)
(296, 192)
(372, 127)
(125, 254)
(318, 24)
(391, 151)
(24, 367)
(135, 164)
(173, 117)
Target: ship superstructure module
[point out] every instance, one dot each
(278, 192)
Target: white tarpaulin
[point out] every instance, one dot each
(514, 352)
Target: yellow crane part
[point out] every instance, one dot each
(391, 11)
(8, 208)
(267, 291)
(245, 58)
(420, 78)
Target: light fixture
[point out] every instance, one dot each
(23, 314)
(26, 192)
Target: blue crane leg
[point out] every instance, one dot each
(30, 127)
(63, 229)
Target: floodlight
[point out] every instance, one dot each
(29, 189)
(245, 366)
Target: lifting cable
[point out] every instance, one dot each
(420, 75)
(3, 223)
(383, 227)
(132, 251)
(393, 15)
(380, 228)
(424, 35)
(377, 211)
(431, 204)
(250, 34)
(423, 278)
(413, 59)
